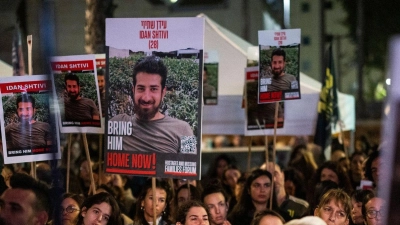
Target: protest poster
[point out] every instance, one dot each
(258, 116)
(76, 94)
(210, 78)
(279, 65)
(153, 123)
(101, 82)
(26, 126)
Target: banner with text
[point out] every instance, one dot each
(258, 116)
(76, 93)
(154, 96)
(26, 126)
(279, 53)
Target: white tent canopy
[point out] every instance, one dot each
(228, 117)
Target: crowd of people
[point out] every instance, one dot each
(300, 192)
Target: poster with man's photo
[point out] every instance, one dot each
(210, 78)
(76, 93)
(27, 132)
(279, 53)
(101, 83)
(258, 116)
(154, 95)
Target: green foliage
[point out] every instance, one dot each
(181, 99)
(87, 84)
(292, 59)
(41, 104)
(212, 74)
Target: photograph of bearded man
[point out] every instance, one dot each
(152, 131)
(76, 107)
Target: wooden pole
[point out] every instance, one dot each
(273, 154)
(92, 184)
(68, 160)
(100, 156)
(153, 188)
(29, 42)
(249, 155)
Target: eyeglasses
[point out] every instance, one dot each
(69, 209)
(338, 214)
(374, 213)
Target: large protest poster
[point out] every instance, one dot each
(76, 93)
(210, 78)
(153, 123)
(279, 65)
(258, 116)
(26, 129)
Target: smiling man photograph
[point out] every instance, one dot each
(152, 131)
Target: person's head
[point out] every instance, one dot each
(70, 208)
(372, 164)
(216, 200)
(257, 190)
(231, 176)
(180, 182)
(26, 202)
(144, 205)
(100, 79)
(101, 208)
(294, 183)
(205, 74)
(193, 213)
(268, 217)
(72, 85)
(278, 63)
(307, 220)
(373, 211)
(182, 194)
(217, 168)
(279, 176)
(149, 77)
(334, 207)
(356, 164)
(357, 198)
(330, 170)
(25, 108)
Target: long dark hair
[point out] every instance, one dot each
(161, 184)
(98, 199)
(245, 203)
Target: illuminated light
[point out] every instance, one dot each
(173, 1)
(388, 81)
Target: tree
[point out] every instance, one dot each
(96, 13)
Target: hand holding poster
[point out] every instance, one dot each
(76, 92)
(26, 130)
(279, 65)
(154, 97)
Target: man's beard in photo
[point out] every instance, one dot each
(145, 114)
(276, 73)
(73, 96)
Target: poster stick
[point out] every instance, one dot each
(153, 188)
(29, 41)
(92, 184)
(274, 153)
(68, 160)
(266, 148)
(100, 156)
(249, 155)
